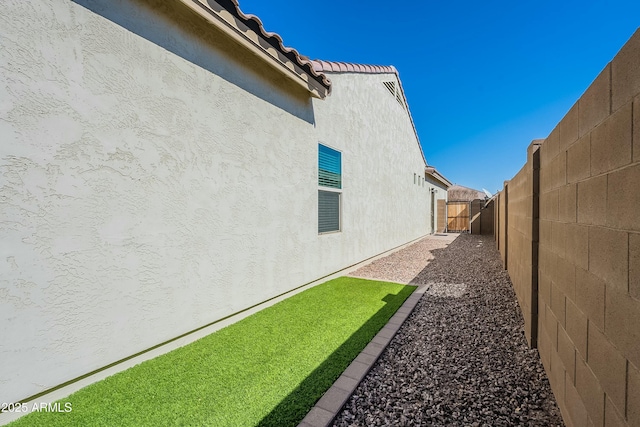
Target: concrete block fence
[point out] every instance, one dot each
(568, 228)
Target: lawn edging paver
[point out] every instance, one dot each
(327, 408)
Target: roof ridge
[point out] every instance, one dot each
(351, 67)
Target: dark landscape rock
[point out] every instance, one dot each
(461, 358)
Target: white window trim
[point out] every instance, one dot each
(333, 189)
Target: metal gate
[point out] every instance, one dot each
(458, 217)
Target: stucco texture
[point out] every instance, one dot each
(154, 179)
(384, 201)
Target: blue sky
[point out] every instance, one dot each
(482, 79)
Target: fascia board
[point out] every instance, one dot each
(253, 42)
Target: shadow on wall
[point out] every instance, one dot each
(151, 20)
(293, 408)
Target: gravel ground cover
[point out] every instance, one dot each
(461, 358)
(405, 264)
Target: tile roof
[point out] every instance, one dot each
(274, 39)
(349, 67)
(250, 29)
(460, 193)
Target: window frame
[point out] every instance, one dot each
(329, 189)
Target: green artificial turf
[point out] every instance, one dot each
(268, 369)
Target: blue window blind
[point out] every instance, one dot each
(329, 167)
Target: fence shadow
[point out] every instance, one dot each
(293, 408)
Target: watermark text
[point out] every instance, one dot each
(59, 407)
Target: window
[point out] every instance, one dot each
(328, 211)
(329, 193)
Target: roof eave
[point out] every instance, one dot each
(434, 174)
(224, 21)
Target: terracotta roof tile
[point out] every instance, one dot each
(349, 67)
(274, 40)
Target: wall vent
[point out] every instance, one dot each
(391, 87)
(395, 92)
(399, 99)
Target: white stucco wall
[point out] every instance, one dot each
(154, 179)
(440, 194)
(382, 207)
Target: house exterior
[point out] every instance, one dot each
(368, 115)
(168, 164)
